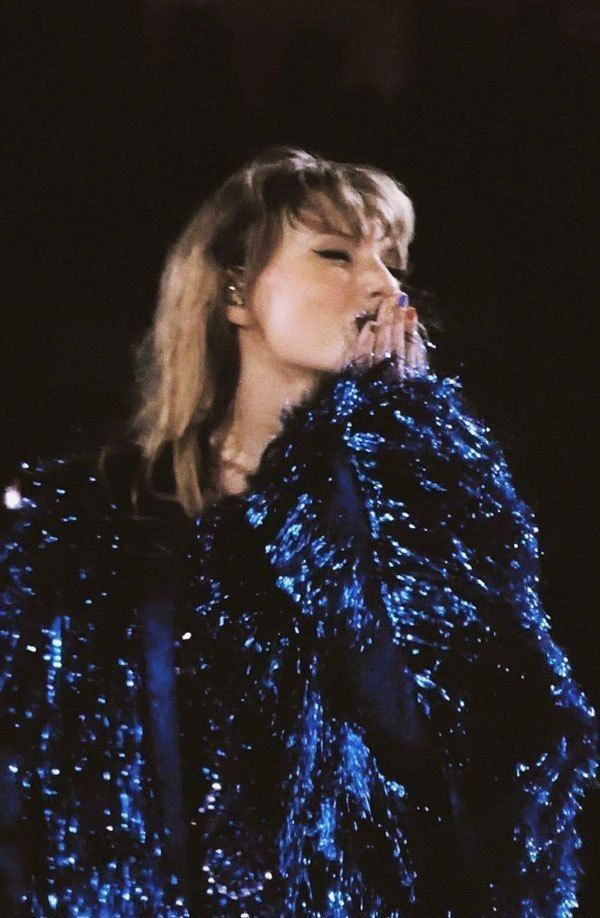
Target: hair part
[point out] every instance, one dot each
(188, 362)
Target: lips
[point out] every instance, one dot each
(362, 318)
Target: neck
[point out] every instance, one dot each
(262, 394)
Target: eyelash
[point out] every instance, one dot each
(398, 273)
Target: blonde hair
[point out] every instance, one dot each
(187, 364)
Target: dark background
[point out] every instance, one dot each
(123, 115)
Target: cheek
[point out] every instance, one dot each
(299, 314)
(282, 307)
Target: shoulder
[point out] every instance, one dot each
(45, 501)
(58, 527)
(65, 519)
(55, 500)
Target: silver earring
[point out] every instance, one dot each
(235, 286)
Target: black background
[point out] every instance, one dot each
(123, 115)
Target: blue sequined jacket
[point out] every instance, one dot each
(340, 696)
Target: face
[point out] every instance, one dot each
(305, 302)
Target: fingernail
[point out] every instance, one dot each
(411, 312)
(402, 300)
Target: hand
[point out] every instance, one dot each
(393, 333)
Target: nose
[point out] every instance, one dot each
(380, 283)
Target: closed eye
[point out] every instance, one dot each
(334, 253)
(339, 255)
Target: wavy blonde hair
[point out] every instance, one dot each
(187, 364)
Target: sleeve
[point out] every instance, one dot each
(81, 813)
(22, 631)
(518, 735)
(445, 636)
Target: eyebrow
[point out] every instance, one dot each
(336, 232)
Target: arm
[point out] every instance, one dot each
(449, 559)
(71, 704)
(514, 721)
(17, 598)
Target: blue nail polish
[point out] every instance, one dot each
(402, 300)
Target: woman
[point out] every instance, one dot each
(318, 680)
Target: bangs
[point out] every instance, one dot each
(349, 200)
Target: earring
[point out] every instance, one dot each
(235, 286)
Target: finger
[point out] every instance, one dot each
(413, 343)
(411, 356)
(399, 339)
(422, 359)
(382, 346)
(365, 343)
(409, 324)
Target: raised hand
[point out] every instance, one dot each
(394, 332)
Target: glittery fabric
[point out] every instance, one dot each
(372, 715)
(72, 713)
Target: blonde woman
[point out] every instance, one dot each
(300, 666)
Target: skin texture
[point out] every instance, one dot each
(299, 322)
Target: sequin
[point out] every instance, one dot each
(370, 711)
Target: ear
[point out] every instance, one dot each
(237, 312)
(240, 316)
